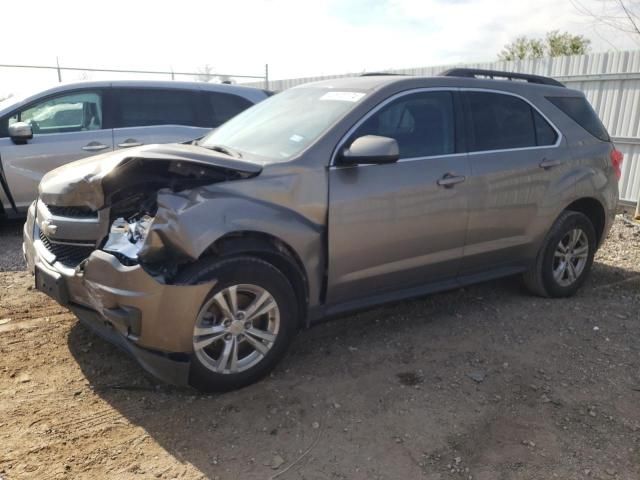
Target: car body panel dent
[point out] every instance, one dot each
(188, 223)
(110, 286)
(81, 182)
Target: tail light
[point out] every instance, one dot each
(616, 161)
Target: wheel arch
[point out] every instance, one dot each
(594, 211)
(271, 249)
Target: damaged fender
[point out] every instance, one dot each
(188, 223)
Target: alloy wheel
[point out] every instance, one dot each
(236, 328)
(570, 257)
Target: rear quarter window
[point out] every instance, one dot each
(581, 112)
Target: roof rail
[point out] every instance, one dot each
(377, 74)
(498, 75)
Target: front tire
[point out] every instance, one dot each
(245, 324)
(565, 258)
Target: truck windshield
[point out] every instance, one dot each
(283, 125)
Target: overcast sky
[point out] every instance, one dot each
(295, 37)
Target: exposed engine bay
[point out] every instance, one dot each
(131, 194)
(127, 237)
(121, 194)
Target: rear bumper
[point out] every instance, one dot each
(149, 319)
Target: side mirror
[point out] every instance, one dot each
(371, 149)
(20, 132)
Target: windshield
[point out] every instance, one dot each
(282, 126)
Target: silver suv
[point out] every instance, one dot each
(73, 121)
(203, 260)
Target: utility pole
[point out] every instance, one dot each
(266, 76)
(59, 72)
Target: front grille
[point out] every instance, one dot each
(72, 212)
(68, 255)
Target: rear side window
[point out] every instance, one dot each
(147, 107)
(500, 122)
(422, 124)
(225, 106)
(579, 109)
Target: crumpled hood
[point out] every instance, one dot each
(80, 183)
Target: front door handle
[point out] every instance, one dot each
(449, 180)
(130, 142)
(546, 164)
(94, 147)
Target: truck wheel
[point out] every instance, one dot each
(244, 325)
(565, 259)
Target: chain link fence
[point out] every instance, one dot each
(43, 76)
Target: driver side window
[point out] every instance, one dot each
(67, 113)
(422, 123)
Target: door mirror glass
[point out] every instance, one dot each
(20, 132)
(371, 149)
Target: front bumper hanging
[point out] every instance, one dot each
(151, 320)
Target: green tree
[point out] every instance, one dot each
(555, 44)
(562, 44)
(522, 48)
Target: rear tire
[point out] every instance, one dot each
(245, 324)
(565, 258)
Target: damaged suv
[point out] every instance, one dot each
(203, 260)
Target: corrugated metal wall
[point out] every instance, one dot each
(611, 82)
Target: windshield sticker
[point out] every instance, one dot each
(343, 96)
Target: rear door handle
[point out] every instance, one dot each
(130, 142)
(94, 147)
(448, 180)
(546, 164)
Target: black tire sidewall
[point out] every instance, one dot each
(567, 223)
(248, 270)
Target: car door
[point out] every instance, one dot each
(403, 224)
(155, 115)
(515, 153)
(66, 127)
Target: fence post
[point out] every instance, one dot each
(637, 215)
(59, 72)
(266, 76)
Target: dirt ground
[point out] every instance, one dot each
(484, 383)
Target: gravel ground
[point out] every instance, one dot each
(481, 383)
(11, 245)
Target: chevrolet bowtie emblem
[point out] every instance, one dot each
(47, 228)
